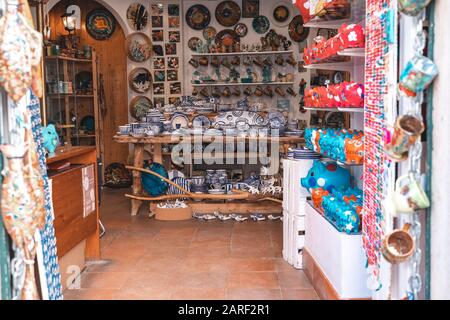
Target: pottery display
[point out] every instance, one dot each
(198, 17)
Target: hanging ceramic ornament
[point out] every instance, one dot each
(20, 52)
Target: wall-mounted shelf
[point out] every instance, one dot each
(241, 53)
(327, 24)
(353, 52)
(233, 84)
(68, 59)
(336, 66)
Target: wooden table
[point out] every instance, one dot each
(157, 154)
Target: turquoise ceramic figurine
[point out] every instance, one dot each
(51, 139)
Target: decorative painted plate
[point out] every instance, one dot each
(193, 42)
(228, 13)
(140, 106)
(209, 33)
(179, 121)
(227, 37)
(201, 121)
(241, 29)
(198, 17)
(139, 47)
(100, 24)
(137, 16)
(282, 13)
(297, 32)
(261, 24)
(88, 122)
(140, 80)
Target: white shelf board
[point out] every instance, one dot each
(327, 24)
(321, 109)
(230, 84)
(336, 66)
(353, 52)
(241, 53)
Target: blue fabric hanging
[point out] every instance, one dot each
(48, 233)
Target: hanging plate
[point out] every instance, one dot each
(140, 80)
(227, 37)
(193, 42)
(297, 31)
(139, 47)
(209, 33)
(100, 24)
(228, 13)
(241, 29)
(282, 13)
(137, 16)
(198, 17)
(261, 24)
(140, 106)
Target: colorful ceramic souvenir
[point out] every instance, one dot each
(228, 13)
(193, 43)
(140, 106)
(153, 185)
(198, 17)
(139, 47)
(100, 24)
(227, 38)
(328, 176)
(137, 16)
(140, 80)
(209, 33)
(241, 29)
(261, 24)
(297, 31)
(51, 139)
(282, 13)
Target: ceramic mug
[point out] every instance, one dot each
(124, 130)
(409, 195)
(398, 245)
(412, 7)
(399, 139)
(417, 75)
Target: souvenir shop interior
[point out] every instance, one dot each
(225, 150)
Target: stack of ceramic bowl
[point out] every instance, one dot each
(304, 154)
(198, 184)
(153, 123)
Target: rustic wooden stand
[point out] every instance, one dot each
(238, 202)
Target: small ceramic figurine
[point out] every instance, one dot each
(234, 75)
(51, 139)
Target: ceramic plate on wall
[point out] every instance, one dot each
(100, 24)
(297, 32)
(241, 29)
(193, 42)
(140, 106)
(140, 80)
(228, 13)
(198, 17)
(282, 13)
(261, 24)
(227, 37)
(137, 16)
(139, 47)
(209, 33)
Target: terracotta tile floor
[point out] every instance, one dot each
(153, 260)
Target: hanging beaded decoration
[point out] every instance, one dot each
(376, 83)
(48, 233)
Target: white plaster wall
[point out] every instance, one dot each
(440, 216)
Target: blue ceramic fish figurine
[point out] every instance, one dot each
(51, 139)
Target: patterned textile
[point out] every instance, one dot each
(376, 88)
(48, 233)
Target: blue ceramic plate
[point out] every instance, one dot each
(198, 17)
(261, 24)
